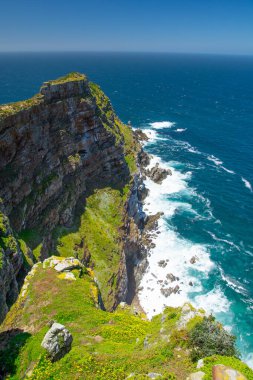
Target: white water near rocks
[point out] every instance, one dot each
(178, 252)
(175, 195)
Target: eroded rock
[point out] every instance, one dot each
(57, 341)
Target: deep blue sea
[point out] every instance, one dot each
(199, 111)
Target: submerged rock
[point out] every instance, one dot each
(57, 341)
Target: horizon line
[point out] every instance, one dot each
(122, 52)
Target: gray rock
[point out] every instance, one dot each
(162, 263)
(158, 174)
(200, 363)
(196, 376)
(193, 259)
(154, 375)
(57, 341)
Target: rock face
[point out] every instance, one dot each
(55, 148)
(10, 264)
(57, 341)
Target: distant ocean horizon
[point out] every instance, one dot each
(198, 112)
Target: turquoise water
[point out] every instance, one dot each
(206, 106)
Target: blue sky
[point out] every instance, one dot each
(204, 26)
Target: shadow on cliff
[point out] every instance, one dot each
(11, 342)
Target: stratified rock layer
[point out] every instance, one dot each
(55, 148)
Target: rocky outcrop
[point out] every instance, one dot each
(55, 149)
(57, 342)
(158, 174)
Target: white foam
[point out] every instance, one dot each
(213, 302)
(162, 124)
(227, 170)
(180, 130)
(247, 184)
(215, 160)
(223, 240)
(170, 246)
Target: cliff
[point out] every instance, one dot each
(57, 149)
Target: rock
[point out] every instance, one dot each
(57, 341)
(140, 135)
(158, 174)
(145, 342)
(154, 375)
(196, 376)
(98, 339)
(143, 158)
(151, 222)
(68, 264)
(191, 283)
(200, 363)
(194, 259)
(162, 263)
(67, 276)
(142, 192)
(222, 372)
(168, 291)
(171, 277)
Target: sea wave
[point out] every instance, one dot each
(180, 130)
(214, 159)
(213, 302)
(162, 124)
(247, 184)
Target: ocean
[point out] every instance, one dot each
(198, 112)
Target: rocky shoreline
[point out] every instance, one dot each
(147, 224)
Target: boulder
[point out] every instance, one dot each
(154, 375)
(171, 277)
(158, 174)
(222, 372)
(194, 259)
(196, 376)
(162, 263)
(61, 264)
(57, 341)
(166, 292)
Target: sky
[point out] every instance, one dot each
(193, 26)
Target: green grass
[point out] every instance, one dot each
(13, 108)
(98, 232)
(231, 362)
(70, 77)
(119, 350)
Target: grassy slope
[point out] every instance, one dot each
(105, 345)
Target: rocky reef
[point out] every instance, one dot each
(73, 245)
